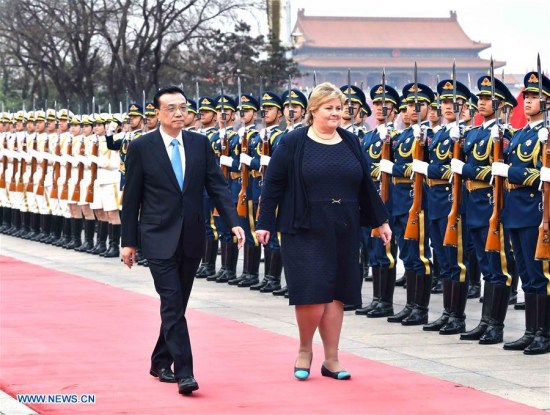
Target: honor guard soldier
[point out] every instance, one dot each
(452, 261)
(357, 98)
(272, 108)
(8, 163)
(226, 143)
(32, 165)
(208, 126)
(382, 258)
(151, 120)
(247, 200)
(362, 117)
(190, 121)
(17, 194)
(405, 117)
(299, 105)
(478, 209)
(415, 253)
(135, 125)
(522, 214)
(434, 114)
(469, 111)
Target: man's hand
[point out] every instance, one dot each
(239, 233)
(262, 236)
(245, 159)
(128, 256)
(264, 160)
(499, 169)
(457, 166)
(385, 233)
(386, 166)
(226, 161)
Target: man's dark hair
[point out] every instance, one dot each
(167, 90)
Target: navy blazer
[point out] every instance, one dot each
(284, 188)
(153, 197)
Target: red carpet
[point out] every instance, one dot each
(63, 334)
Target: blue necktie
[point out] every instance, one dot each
(176, 162)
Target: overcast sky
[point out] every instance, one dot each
(517, 29)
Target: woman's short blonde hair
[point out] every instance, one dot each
(322, 93)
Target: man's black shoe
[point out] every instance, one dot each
(187, 385)
(164, 374)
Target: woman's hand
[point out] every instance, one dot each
(385, 233)
(263, 236)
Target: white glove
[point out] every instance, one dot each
(61, 181)
(226, 161)
(39, 158)
(221, 132)
(499, 169)
(543, 135)
(111, 128)
(26, 177)
(86, 161)
(455, 132)
(382, 131)
(545, 174)
(419, 166)
(245, 159)
(27, 157)
(263, 133)
(17, 155)
(457, 166)
(416, 130)
(49, 181)
(241, 132)
(386, 166)
(495, 130)
(264, 160)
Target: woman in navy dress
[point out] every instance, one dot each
(320, 183)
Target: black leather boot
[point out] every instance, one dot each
(57, 228)
(6, 220)
(267, 259)
(210, 256)
(65, 237)
(101, 240)
(89, 231)
(447, 294)
(474, 291)
(34, 226)
(221, 271)
(519, 306)
(419, 314)
(15, 223)
(530, 325)
(253, 275)
(495, 327)
(232, 258)
(275, 270)
(541, 342)
(477, 332)
(384, 307)
(45, 228)
(38, 227)
(76, 233)
(410, 276)
(203, 261)
(376, 289)
(456, 323)
(248, 255)
(114, 243)
(25, 225)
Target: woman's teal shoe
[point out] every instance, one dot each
(342, 375)
(300, 373)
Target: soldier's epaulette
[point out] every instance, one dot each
(274, 135)
(538, 126)
(532, 175)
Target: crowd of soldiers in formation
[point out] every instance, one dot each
(441, 176)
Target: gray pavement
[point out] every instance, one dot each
(489, 368)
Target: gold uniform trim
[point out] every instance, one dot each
(502, 253)
(421, 238)
(460, 250)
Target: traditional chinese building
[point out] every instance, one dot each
(331, 45)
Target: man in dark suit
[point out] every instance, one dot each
(167, 171)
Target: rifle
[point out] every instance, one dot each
(242, 204)
(22, 166)
(81, 153)
(543, 242)
(385, 153)
(350, 107)
(223, 138)
(34, 163)
(93, 168)
(13, 183)
(263, 130)
(493, 237)
(4, 164)
(68, 171)
(199, 105)
(454, 218)
(412, 231)
(57, 165)
(44, 166)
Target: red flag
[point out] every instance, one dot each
(518, 118)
